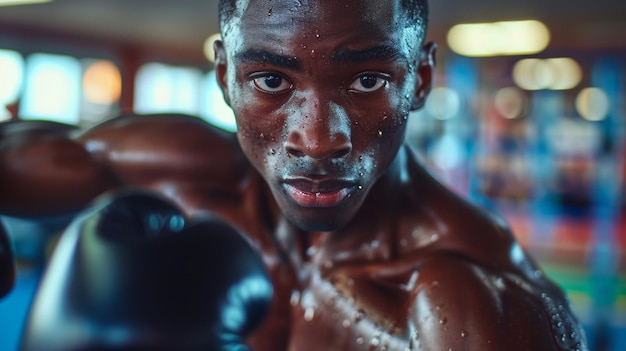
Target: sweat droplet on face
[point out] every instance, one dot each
(358, 316)
(295, 298)
(374, 342)
(309, 314)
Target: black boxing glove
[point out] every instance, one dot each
(7, 263)
(131, 274)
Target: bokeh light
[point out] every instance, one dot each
(11, 76)
(53, 92)
(448, 152)
(161, 88)
(208, 50)
(443, 103)
(593, 104)
(560, 73)
(215, 110)
(499, 38)
(567, 71)
(5, 115)
(102, 82)
(22, 2)
(510, 102)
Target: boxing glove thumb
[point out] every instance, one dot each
(132, 273)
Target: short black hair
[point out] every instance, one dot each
(417, 11)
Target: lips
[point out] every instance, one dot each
(318, 193)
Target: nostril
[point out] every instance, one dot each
(342, 151)
(336, 147)
(291, 150)
(319, 151)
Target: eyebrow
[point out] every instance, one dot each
(377, 53)
(259, 56)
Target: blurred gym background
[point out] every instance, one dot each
(527, 118)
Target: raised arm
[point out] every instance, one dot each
(193, 163)
(50, 169)
(43, 172)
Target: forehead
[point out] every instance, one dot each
(313, 10)
(339, 23)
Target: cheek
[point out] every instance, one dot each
(380, 133)
(384, 121)
(259, 133)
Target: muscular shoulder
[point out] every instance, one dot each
(477, 289)
(461, 305)
(144, 149)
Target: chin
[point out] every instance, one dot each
(320, 220)
(317, 226)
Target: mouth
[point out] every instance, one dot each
(318, 193)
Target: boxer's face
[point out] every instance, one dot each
(321, 91)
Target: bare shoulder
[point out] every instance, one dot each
(477, 288)
(168, 147)
(460, 305)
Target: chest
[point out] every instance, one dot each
(320, 305)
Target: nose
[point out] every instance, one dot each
(322, 131)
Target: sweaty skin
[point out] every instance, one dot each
(366, 250)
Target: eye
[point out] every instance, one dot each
(367, 83)
(271, 83)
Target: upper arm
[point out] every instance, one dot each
(44, 172)
(150, 149)
(180, 156)
(461, 306)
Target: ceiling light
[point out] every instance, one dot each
(499, 38)
(21, 2)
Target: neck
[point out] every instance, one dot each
(384, 193)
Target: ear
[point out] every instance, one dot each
(221, 65)
(425, 72)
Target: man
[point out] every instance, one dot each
(364, 248)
